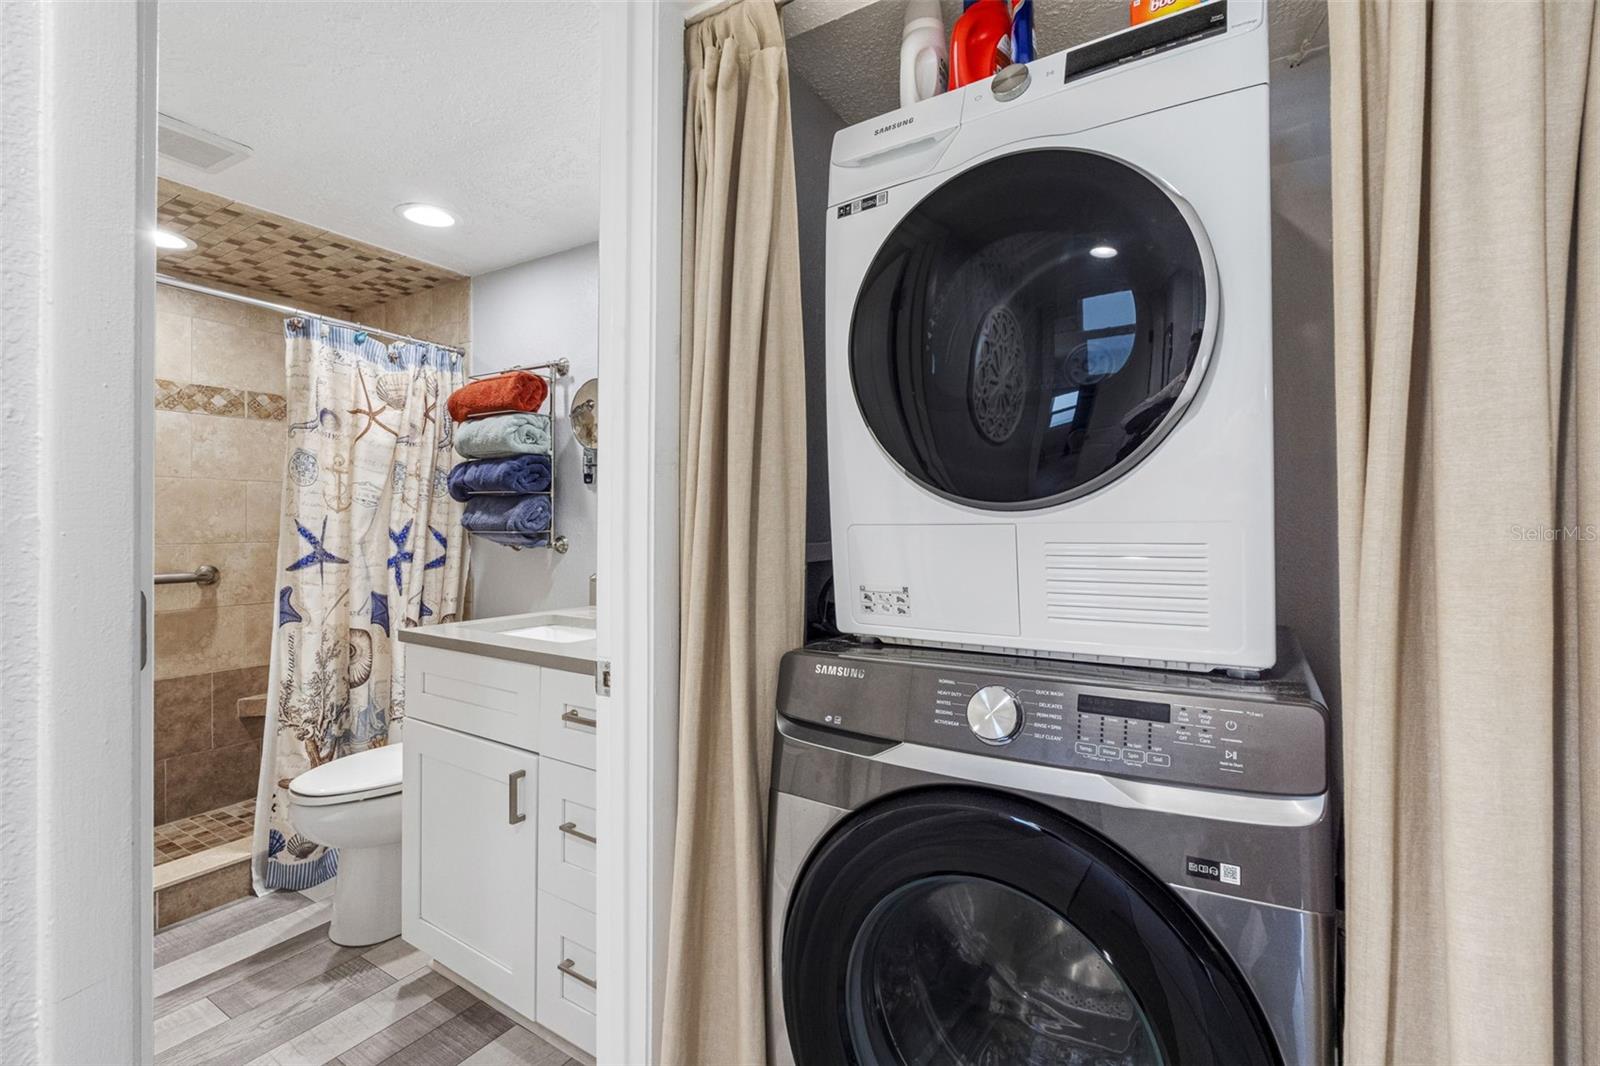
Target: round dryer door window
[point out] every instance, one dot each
(966, 927)
(1033, 327)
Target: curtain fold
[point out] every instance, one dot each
(369, 543)
(1466, 171)
(742, 521)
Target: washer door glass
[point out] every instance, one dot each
(967, 970)
(968, 927)
(1030, 330)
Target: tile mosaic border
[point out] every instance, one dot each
(220, 400)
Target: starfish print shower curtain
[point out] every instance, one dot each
(369, 543)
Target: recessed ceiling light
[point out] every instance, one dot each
(426, 215)
(168, 241)
(1103, 251)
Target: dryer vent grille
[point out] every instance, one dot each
(1165, 586)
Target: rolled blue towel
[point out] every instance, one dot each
(507, 514)
(519, 433)
(518, 474)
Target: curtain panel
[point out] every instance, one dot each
(1466, 172)
(369, 543)
(742, 522)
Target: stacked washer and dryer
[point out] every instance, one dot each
(1062, 794)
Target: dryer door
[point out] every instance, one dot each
(1033, 327)
(961, 926)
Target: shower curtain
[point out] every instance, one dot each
(369, 543)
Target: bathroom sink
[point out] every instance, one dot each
(555, 633)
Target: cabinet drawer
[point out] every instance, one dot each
(566, 831)
(469, 859)
(565, 988)
(567, 718)
(491, 698)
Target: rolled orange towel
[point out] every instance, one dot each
(519, 391)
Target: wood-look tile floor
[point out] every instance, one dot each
(258, 982)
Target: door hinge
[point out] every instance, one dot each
(144, 630)
(602, 677)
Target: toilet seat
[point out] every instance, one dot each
(365, 775)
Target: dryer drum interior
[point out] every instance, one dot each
(1031, 328)
(953, 925)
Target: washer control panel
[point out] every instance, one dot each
(1207, 731)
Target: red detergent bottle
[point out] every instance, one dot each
(980, 44)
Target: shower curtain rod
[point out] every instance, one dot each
(179, 283)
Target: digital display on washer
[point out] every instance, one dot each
(1145, 710)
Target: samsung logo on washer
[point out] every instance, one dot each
(881, 130)
(831, 670)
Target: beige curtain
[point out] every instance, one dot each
(743, 521)
(1466, 146)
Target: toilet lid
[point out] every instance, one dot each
(364, 775)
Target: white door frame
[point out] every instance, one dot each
(641, 151)
(78, 308)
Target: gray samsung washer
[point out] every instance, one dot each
(991, 858)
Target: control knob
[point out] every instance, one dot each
(994, 714)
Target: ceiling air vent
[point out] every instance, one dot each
(198, 148)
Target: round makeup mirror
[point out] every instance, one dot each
(585, 417)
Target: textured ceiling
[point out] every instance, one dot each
(241, 248)
(849, 51)
(487, 109)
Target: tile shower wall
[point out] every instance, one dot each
(442, 314)
(220, 419)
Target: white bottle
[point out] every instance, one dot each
(924, 53)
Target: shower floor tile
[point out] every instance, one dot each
(200, 832)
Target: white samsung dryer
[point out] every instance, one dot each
(1049, 357)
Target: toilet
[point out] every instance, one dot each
(353, 804)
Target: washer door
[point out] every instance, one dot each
(1033, 327)
(968, 927)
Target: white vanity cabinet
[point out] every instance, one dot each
(498, 835)
(469, 858)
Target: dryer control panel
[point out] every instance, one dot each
(1217, 732)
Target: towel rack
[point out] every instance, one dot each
(202, 575)
(551, 371)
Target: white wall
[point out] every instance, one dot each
(542, 309)
(77, 302)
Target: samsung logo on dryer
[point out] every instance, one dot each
(881, 130)
(834, 670)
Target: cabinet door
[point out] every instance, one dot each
(566, 832)
(469, 859)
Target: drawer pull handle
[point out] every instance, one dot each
(578, 719)
(572, 830)
(513, 783)
(570, 968)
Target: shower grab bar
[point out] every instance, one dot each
(202, 575)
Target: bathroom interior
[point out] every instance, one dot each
(343, 269)
(307, 533)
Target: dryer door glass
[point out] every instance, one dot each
(1032, 328)
(965, 926)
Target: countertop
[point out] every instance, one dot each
(491, 637)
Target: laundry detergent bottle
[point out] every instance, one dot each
(980, 44)
(1022, 31)
(924, 57)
